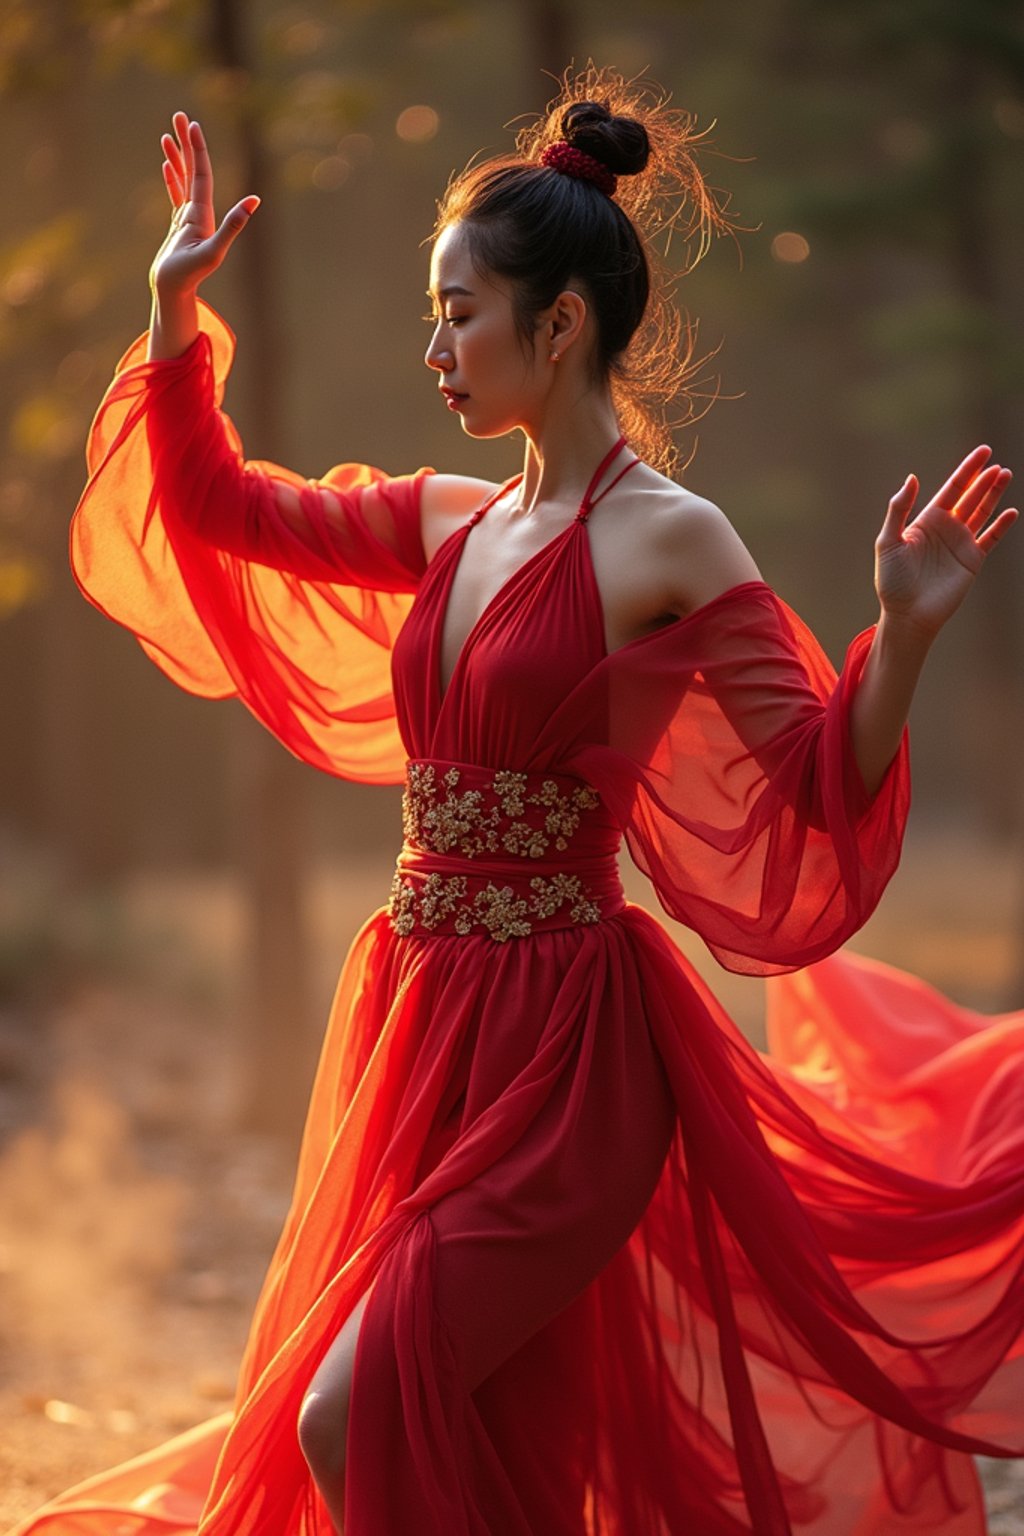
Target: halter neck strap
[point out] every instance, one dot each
(589, 500)
(502, 490)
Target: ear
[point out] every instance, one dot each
(565, 321)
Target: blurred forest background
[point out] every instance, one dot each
(176, 891)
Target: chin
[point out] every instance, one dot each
(486, 429)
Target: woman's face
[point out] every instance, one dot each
(475, 347)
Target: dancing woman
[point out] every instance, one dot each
(566, 1256)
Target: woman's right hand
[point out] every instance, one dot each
(195, 245)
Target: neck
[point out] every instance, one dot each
(562, 454)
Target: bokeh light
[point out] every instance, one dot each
(303, 37)
(1009, 117)
(790, 247)
(330, 173)
(904, 139)
(76, 369)
(297, 170)
(22, 286)
(417, 124)
(356, 147)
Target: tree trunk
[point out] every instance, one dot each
(74, 771)
(548, 29)
(973, 240)
(270, 792)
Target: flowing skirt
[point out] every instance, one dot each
(630, 1277)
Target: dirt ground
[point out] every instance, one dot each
(137, 1222)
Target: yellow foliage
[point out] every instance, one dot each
(22, 581)
(29, 261)
(43, 427)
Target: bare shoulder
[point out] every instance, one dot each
(446, 502)
(693, 544)
(677, 513)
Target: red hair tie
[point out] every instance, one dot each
(564, 157)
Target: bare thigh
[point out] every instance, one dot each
(327, 1396)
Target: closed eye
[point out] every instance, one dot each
(436, 319)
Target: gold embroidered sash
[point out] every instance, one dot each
(502, 853)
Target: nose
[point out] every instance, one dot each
(437, 356)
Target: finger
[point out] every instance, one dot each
(173, 186)
(202, 180)
(898, 511)
(233, 222)
(976, 516)
(169, 145)
(995, 531)
(974, 495)
(961, 478)
(181, 123)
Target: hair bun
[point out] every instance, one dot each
(620, 143)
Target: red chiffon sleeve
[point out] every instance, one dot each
(726, 758)
(232, 591)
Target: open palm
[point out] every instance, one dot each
(924, 568)
(195, 245)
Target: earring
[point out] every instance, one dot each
(553, 356)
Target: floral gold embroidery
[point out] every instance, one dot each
(460, 823)
(556, 891)
(456, 823)
(501, 815)
(497, 909)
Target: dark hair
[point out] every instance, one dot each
(546, 231)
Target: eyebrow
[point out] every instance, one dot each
(447, 292)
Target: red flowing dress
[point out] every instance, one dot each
(630, 1277)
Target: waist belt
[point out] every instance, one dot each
(502, 853)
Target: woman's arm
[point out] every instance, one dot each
(923, 571)
(259, 512)
(241, 502)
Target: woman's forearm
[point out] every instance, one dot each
(173, 324)
(881, 704)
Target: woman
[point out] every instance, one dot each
(565, 1254)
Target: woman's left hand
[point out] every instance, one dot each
(925, 568)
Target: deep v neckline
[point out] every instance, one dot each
(442, 690)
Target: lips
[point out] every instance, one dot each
(453, 394)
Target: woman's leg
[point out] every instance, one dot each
(323, 1419)
(508, 1251)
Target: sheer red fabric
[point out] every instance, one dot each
(176, 540)
(629, 1277)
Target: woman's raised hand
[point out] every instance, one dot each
(924, 568)
(195, 245)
